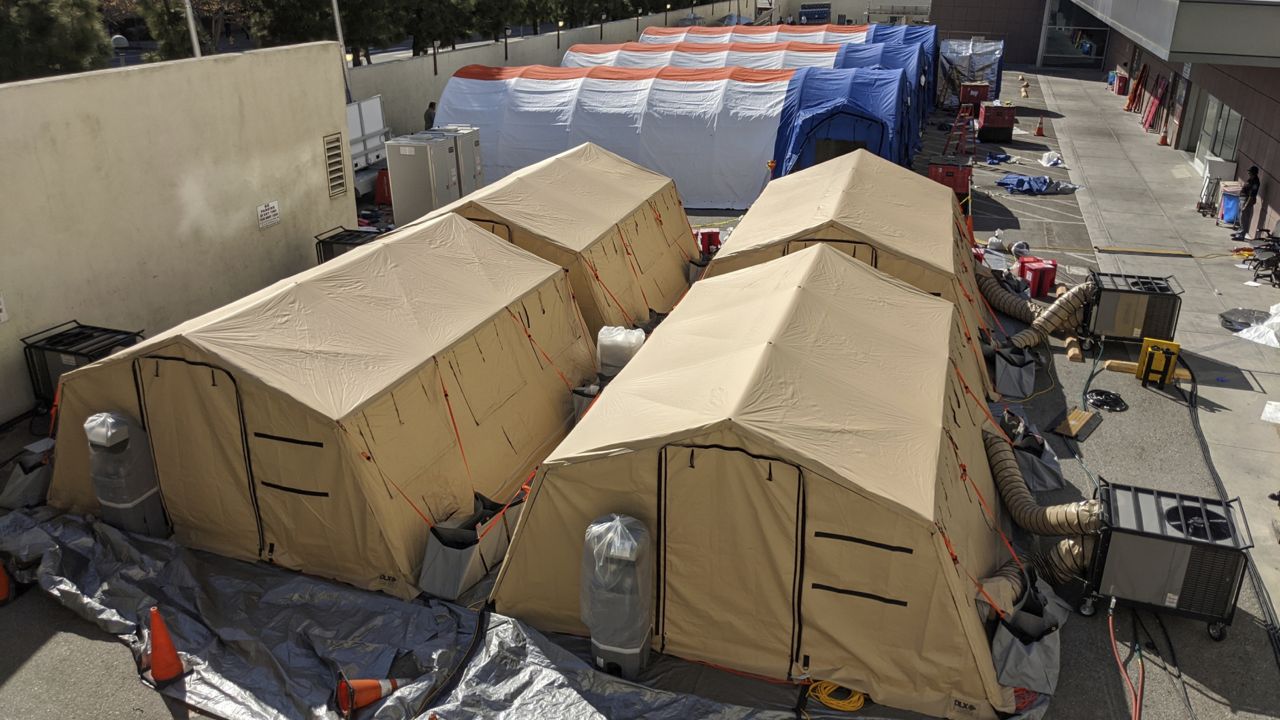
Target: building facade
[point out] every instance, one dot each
(1211, 84)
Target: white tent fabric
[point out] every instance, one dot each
(711, 131)
(763, 56)
(758, 34)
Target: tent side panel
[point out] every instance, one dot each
(660, 234)
(541, 575)
(103, 387)
(614, 272)
(878, 614)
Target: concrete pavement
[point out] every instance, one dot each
(1140, 195)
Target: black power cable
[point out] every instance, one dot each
(1270, 623)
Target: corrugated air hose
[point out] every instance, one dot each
(1004, 587)
(1077, 518)
(1066, 560)
(1011, 304)
(1065, 312)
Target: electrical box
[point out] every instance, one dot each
(1179, 553)
(1134, 307)
(63, 348)
(466, 141)
(336, 241)
(423, 169)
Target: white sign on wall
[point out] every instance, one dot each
(268, 214)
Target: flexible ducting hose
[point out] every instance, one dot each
(1077, 518)
(1065, 311)
(1004, 587)
(1067, 560)
(1011, 304)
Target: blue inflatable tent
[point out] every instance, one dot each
(861, 106)
(926, 35)
(908, 57)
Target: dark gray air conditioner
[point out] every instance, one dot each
(1172, 552)
(1133, 307)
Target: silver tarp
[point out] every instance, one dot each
(268, 643)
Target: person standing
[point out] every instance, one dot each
(430, 115)
(1248, 198)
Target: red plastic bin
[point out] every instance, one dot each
(953, 174)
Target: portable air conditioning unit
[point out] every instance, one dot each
(466, 141)
(1173, 552)
(1134, 307)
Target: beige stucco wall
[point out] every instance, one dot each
(406, 86)
(130, 195)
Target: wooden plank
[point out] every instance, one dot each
(1131, 368)
(1074, 352)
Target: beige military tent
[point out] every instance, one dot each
(322, 423)
(618, 228)
(883, 214)
(793, 435)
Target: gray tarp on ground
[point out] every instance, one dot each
(267, 643)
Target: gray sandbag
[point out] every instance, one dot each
(462, 549)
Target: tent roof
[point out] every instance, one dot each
(341, 333)
(885, 204)
(814, 356)
(571, 199)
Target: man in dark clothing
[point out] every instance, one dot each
(1248, 198)
(430, 115)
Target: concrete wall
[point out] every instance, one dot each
(1017, 22)
(406, 86)
(131, 195)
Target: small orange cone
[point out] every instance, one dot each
(1040, 127)
(6, 587)
(355, 694)
(166, 666)
(1164, 138)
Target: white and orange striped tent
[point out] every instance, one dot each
(713, 131)
(755, 56)
(758, 34)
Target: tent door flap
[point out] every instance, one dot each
(729, 562)
(195, 419)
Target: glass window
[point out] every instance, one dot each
(1221, 130)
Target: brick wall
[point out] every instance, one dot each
(1016, 22)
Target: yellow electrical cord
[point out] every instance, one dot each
(825, 691)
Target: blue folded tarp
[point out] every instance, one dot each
(908, 57)
(1025, 184)
(857, 106)
(925, 35)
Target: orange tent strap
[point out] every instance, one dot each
(633, 263)
(982, 590)
(452, 421)
(596, 274)
(986, 410)
(369, 458)
(982, 500)
(538, 347)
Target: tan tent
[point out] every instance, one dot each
(787, 436)
(323, 422)
(618, 228)
(885, 215)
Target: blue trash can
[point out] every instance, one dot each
(1229, 211)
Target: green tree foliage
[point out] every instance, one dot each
(443, 21)
(48, 37)
(492, 16)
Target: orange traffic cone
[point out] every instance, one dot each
(1164, 138)
(166, 666)
(1040, 127)
(355, 694)
(6, 587)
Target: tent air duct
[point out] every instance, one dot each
(1066, 560)
(1077, 518)
(1005, 587)
(1061, 314)
(1011, 304)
